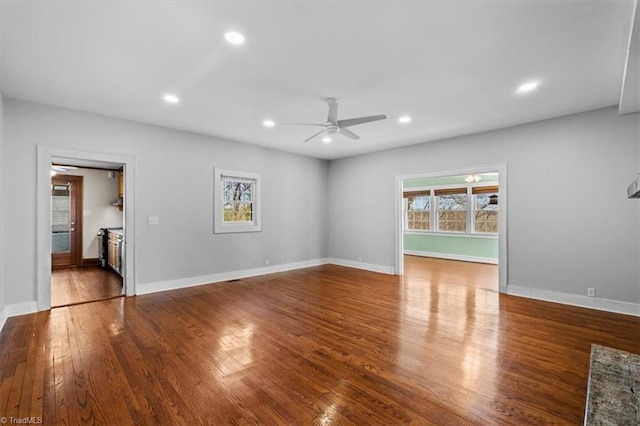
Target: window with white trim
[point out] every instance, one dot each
(418, 207)
(236, 201)
(485, 209)
(452, 209)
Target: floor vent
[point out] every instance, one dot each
(233, 281)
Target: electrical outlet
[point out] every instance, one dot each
(152, 220)
(591, 292)
(266, 262)
(359, 258)
(87, 212)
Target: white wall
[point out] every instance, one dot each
(174, 181)
(568, 229)
(98, 192)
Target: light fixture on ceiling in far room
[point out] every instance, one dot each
(472, 178)
(326, 139)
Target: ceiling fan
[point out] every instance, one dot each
(335, 126)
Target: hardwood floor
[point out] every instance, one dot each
(71, 286)
(323, 345)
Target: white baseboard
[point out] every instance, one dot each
(615, 306)
(362, 265)
(223, 276)
(17, 309)
(447, 256)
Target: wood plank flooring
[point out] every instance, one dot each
(324, 345)
(71, 286)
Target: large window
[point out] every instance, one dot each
(237, 201)
(471, 208)
(418, 205)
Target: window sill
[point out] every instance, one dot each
(452, 234)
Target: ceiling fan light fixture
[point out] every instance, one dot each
(234, 37)
(326, 139)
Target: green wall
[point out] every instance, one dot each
(449, 180)
(473, 247)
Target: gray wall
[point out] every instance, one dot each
(174, 181)
(570, 228)
(2, 291)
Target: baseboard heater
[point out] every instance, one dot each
(633, 191)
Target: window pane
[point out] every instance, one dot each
(452, 212)
(60, 218)
(486, 219)
(237, 198)
(418, 212)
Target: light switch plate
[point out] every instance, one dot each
(152, 220)
(87, 212)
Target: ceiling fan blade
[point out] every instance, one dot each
(301, 124)
(314, 135)
(333, 111)
(360, 120)
(348, 133)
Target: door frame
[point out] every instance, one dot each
(45, 155)
(501, 168)
(76, 201)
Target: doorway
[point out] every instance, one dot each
(46, 156)
(66, 221)
(460, 218)
(86, 209)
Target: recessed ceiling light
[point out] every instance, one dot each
(326, 139)
(234, 37)
(528, 87)
(404, 119)
(171, 99)
(268, 123)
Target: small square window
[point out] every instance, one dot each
(236, 201)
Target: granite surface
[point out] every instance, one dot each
(613, 393)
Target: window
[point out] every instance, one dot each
(237, 201)
(418, 206)
(452, 209)
(471, 208)
(486, 209)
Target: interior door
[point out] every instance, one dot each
(66, 221)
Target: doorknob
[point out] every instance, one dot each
(72, 229)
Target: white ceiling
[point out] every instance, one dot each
(453, 66)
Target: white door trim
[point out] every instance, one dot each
(501, 168)
(45, 155)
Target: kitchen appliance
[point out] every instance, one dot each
(108, 255)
